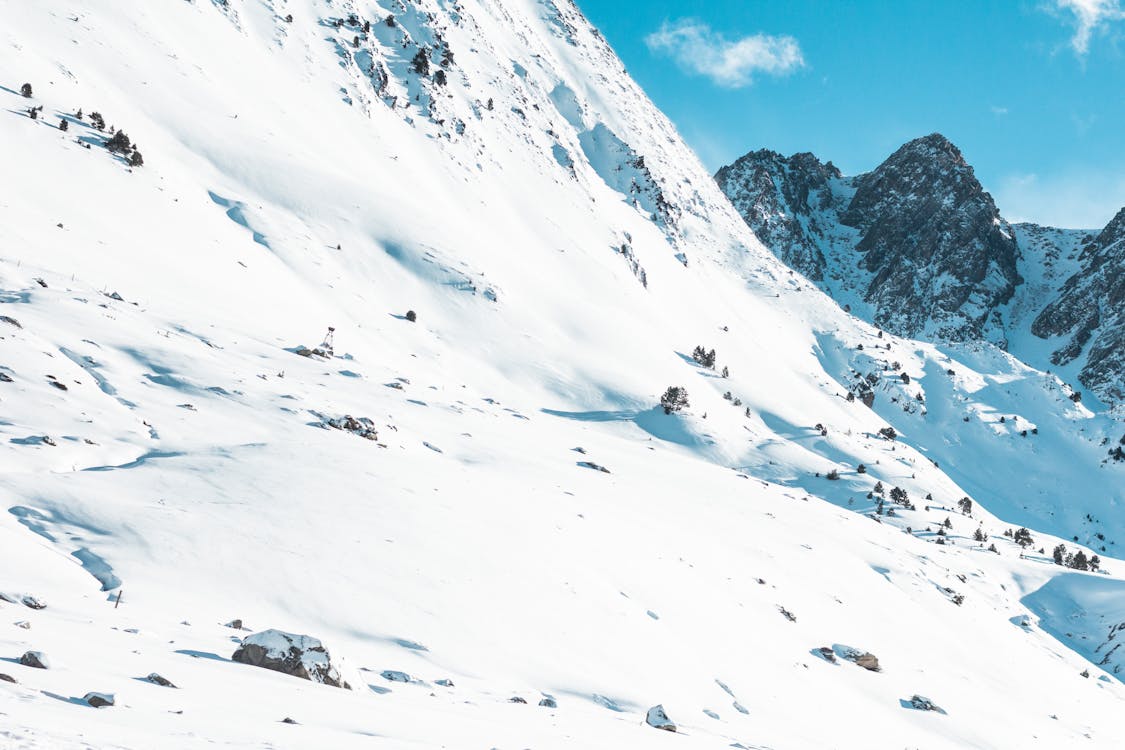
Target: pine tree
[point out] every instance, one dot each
(25, 90)
(1059, 554)
(421, 63)
(64, 125)
(136, 160)
(674, 399)
(966, 506)
(119, 143)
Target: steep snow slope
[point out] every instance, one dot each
(564, 252)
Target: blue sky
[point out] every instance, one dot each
(1032, 91)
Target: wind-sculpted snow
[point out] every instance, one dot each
(420, 419)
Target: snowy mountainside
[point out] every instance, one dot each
(426, 496)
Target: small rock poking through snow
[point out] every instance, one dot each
(393, 675)
(923, 703)
(156, 679)
(658, 719)
(297, 655)
(35, 659)
(99, 700)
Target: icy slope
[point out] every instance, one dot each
(564, 253)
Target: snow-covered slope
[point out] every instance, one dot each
(176, 455)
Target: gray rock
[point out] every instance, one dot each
(548, 702)
(297, 655)
(393, 675)
(868, 661)
(99, 700)
(923, 703)
(156, 679)
(7, 678)
(33, 602)
(36, 660)
(658, 719)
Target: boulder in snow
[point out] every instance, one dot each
(393, 675)
(99, 700)
(658, 719)
(35, 659)
(297, 655)
(7, 678)
(868, 661)
(922, 703)
(156, 679)
(548, 702)
(33, 602)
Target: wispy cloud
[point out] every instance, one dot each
(1077, 200)
(999, 111)
(1089, 16)
(731, 63)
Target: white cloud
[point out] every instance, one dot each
(1089, 15)
(731, 63)
(999, 111)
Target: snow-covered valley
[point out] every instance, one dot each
(509, 513)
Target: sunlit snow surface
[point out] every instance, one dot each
(188, 474)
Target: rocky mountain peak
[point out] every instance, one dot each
(779, 196)
(1088, 316)
(942, 257)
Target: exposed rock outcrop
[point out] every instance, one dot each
(297, 655)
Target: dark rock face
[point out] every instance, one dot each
(35, 659)
(1090, 312)
(934, 255)
(297, 655)
(942, 257)
(780, 198)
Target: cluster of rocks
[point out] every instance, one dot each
(361, 426)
